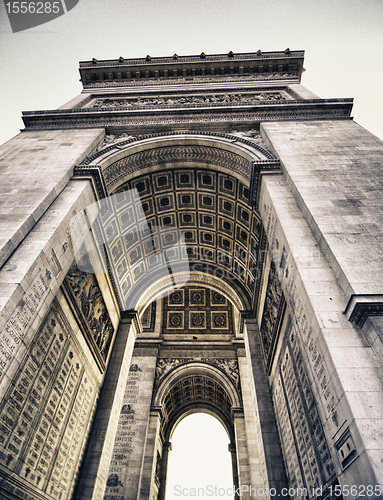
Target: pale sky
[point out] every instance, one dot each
(343, 40)
(200, 462)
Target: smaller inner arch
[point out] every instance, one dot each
(197, 387)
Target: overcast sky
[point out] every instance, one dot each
(343, 40)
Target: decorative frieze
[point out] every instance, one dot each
(175, 154)
(187, 100)
(361, 307)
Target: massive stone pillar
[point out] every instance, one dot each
(271, 472)
(166, 449)
(127, 470)
(100, 450)
(318, 245)
(50, 374)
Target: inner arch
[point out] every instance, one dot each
(197, 387)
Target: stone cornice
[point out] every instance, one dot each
(320, 109)
(360, 307)
(191, 67)
(259, 55)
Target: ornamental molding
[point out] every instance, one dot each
(269, 110)
(194, 278)
(118, 142)
(361, 307)
(216, 99)
(290, 77)
(228, 366)
(106, 178)
(174, 154)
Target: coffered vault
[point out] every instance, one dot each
(271, 196)
(200, 185)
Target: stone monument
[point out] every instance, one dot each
(191, 234)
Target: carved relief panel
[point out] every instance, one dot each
(187, 100)
(89, 307)
(272, 312)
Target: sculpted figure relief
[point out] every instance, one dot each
(272, 304)
(88, 298)
(108, 140)
(200, 99)
(250, 135)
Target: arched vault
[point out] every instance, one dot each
(202, 185)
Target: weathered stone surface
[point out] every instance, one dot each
(35, 168)
(278, 332)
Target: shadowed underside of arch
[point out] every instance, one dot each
(197, 387)
(202, 187)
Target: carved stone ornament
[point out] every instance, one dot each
(166, 365)
(228, 366)
(199, 79)
(127, 410)
(185, 100)
(108, 140)
(251, 135)
(271, 310)
(113, 481)
(135, 368)
(87, 296)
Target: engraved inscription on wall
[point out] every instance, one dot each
(307, 457)
(16, 328)
(46, 412)
(128, 441)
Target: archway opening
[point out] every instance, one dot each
(200, 462)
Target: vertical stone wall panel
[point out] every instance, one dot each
(324, 350)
